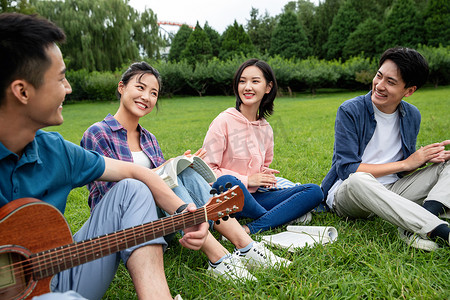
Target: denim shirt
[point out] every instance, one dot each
(354, 127)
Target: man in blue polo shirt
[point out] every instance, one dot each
(376, 169)
(39, 164)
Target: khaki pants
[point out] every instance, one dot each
(400, 203)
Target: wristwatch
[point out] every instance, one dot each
(181, 208)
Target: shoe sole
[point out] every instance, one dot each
(252, 264)
(425, 245)
(228, 278)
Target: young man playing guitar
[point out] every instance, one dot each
(42, 165)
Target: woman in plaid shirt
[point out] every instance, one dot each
(121, 137)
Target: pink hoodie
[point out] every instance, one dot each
(235, 146)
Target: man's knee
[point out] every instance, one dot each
(131, 184)
(132, 192)
(359, 180)
(133, 188)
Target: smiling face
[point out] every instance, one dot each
(252, 87)
(139, 96)
(45, 105)
(388, 88)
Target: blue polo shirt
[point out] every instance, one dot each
(48, 170)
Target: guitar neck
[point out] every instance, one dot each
(50, 262)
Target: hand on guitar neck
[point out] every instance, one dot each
(37, 242)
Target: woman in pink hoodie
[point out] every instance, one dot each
(239, 146)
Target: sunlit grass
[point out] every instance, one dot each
(367, 261)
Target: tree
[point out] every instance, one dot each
(117, 45)
(179, 42)
(19, 6)
(374, 9)
(146, 35)
(305, 11)
(344, 23)
(289, 39)
(102, 34)
(259, 29)
(323, 18)
(324, 37)
(198, 47)
(361, 40)
(214, 39)
(437, 23)
(402, 26)
(290, 6)
(235, 41)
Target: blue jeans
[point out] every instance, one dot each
(274, 208)
(192, 188)
(127, 204)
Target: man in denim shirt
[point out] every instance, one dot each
(376, 169)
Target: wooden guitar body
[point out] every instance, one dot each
(36, 226)
(36, 242)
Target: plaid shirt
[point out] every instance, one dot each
(109, 138)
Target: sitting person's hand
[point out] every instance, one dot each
(200, 153)
(194, 236)
(262, 180)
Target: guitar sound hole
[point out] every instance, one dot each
(14, 276)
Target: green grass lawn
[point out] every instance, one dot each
(367, 261)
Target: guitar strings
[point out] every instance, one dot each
(51, 261)
(45, 261)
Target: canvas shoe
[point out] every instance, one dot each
(417, 241)
(305, 219)
(232, 268)
(260, 256)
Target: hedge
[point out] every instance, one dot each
(215, 76)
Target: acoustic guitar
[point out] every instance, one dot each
(37, 242)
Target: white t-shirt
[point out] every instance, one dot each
(141, 159)
(385, 146)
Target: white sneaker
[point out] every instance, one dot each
(260, 256)
(416, 241)
(178, 297)
(232, 268)
(305, 219)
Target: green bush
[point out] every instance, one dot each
(354, 68)
(102, 86)
(215, 76)
(174, 77)
(317, 73)
(439, 62)
(201, 77)
(78, 80)
(285, 70)
(223, 73)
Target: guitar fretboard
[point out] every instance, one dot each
(50, 262)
